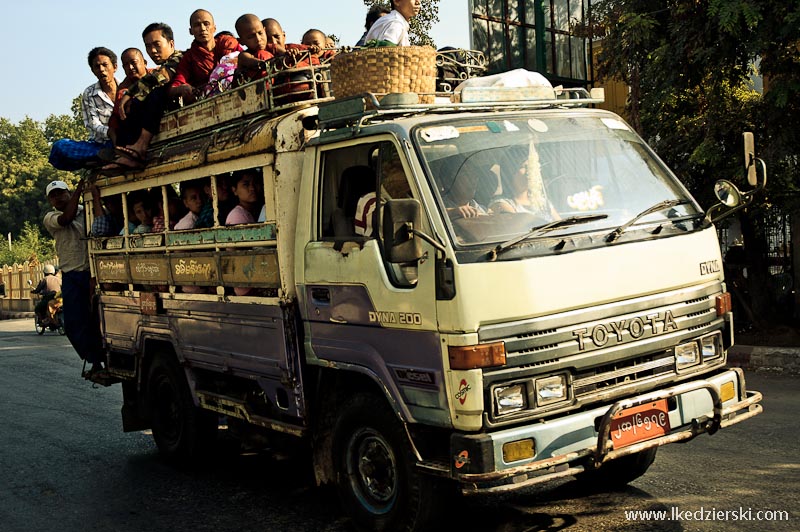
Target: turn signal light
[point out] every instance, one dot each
(727, 391)
(518, 450)
(477, 356)
(723, 303)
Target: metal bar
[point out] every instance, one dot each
(540, 479)
(604, 429)
(528, 468)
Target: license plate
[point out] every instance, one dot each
(640, 423)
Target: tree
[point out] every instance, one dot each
(688, 64)
(30, 246)
(25, 171)
(421, 24)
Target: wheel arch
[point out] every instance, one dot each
(332, 387)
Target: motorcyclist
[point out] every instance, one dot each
(48, 287)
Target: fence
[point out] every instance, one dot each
(15, 279)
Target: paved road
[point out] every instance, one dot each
(66, 465)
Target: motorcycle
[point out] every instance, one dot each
(53, 318)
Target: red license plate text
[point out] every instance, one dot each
(640, 423)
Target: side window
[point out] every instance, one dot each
(355, 180)
(348, 179)
(393, 179)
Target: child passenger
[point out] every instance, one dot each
(252, 35)
(192, 196)
(292, 57)
(224, 204)
(198, 61)
(245, 186)
(317, 41)
(143, 210)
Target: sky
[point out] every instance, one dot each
(48, 66)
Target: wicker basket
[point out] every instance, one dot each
(385, 70)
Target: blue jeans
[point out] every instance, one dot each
(81, 327)
(67, 154)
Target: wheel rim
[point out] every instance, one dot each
(39, 327)
(372, 469)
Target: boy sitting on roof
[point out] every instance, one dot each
(198, 61)
(252, 34)
(144, 102)
(325, 47)
(135, 67)
(292, 56)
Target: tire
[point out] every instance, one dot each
(620, 472)
(39, 327)
(376, 477)
(181, 430)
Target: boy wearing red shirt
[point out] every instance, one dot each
(254, 37)
(291, 54)
(198, 61)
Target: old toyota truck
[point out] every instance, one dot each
(484, 292)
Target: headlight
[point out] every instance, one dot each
(711, 346)
(551, 390)
(687, 355)
(510, 398)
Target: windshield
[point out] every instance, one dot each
(497, 179)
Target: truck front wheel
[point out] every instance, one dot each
(180, 429)
(376, 478)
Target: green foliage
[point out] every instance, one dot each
(25, 171)
(689, 65)
(29, 245)
(421, 24)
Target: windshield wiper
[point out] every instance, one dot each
(539, 229)
(660, 206)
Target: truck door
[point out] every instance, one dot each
(362, 311)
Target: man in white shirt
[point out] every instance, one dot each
(97, 104)
(67, 224)
(394, 26)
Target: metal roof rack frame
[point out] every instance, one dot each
(356, 111)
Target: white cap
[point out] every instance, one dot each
(55, 185)
(49, 269)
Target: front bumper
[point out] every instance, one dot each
(571, 444)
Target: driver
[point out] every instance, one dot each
(460, 199)
(48, 287)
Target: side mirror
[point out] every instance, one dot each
(731, 199)
(750, 158)
(727, 193)
(401, 217)
(30, 283)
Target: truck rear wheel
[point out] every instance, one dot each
(618, 473)
(376, 478)
(180, 429)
